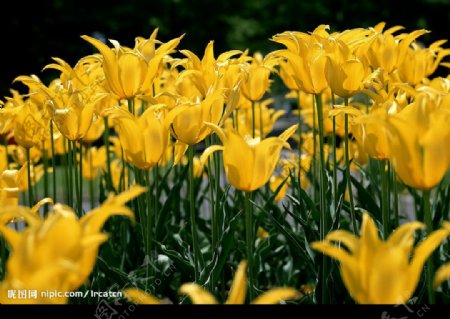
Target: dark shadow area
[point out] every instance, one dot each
(32, 33)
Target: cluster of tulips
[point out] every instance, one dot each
(127, 121)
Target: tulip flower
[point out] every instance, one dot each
(419, 140)
(144, 139)
(256, 80)
(249, 163)
(386, 51)
(371, 134)
(305, 58)
(376, 271)
(131, 72)
(188, 126)
(420, 63)
(238, 291)
(345, 73)
(28, 126)
(58, 252)
(94, 161)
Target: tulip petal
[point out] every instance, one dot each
(442, 274)
(347, 238)
(276, 295)
(238, 289)
(197, 294)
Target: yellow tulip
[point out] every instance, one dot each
(58, 252)
(188, 126)
(131, 72)
(376, 271)
(256, 76)
(305, 58)
(119, 176)
(238, 292)
(249, 163)
(275, 182)
(95, 131)
(208, 74)
(74, 120)
(144, 139)
(386, 51)
(371, 134)
(28, 126)
(419, 143)
(94, 161)
(346, 74)
(421, 62)
(9, 188)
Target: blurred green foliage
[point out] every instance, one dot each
(33, 32)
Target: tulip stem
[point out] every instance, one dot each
(211, 185)
(75, 174)
(156, 198)
(299, 151)
(30, 188)
(52, 142)
(80, 200)
(250, 242)
(395, 191)
(150, 218)
(322, 185)
(108, 159)
(314, 157)
(253, 120)
(347, 170)
(333, 142)
(45, 160)
(384, 198)
(430, 265)
(195, 243)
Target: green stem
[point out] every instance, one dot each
(430, 265)
(195, 243)
(299, 151)
(52, 142)
(108, 159)
(333, 142)
(261, 122)
(91, 192)
(347, 171)
(384, 199)
(395, 191)
(213, 210)
(253, 120)
(314, 157)
(250, 243)
(322, 185)
(30, 187)
(80, 200)
(65, 165)
(75, 174)
(156, 197)
(150, 218)
(45, 160)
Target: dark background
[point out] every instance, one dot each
(31, 33)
